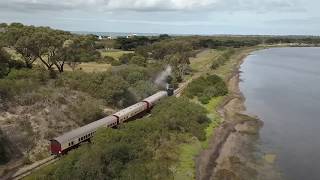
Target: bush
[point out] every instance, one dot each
(87, 111)
(36, 74)
(10, 88)
(4, 62)
(110, 60)
(125, 58)
(107, 59)
(17, 64)
(22, 81)
(204, 99)
(138, 60)
(206, 88)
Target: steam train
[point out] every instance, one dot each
(62, 144)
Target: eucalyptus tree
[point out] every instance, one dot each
(4, 62)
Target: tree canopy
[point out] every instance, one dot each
(52, 47)
(4, 62)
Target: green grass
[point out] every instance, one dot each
(116, 54)
(186, 167)
(214, 117)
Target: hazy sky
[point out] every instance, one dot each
(169, 16)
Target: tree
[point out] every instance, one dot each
(40, 43)
(51, 47)
(77, 50)
(4, 63)
(138, 60)
(3, 25)
(180, 64)
(22, 47)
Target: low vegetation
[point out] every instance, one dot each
(205, 88)
(120, 87)
(222, 59)
(144, 149)
(52, 81)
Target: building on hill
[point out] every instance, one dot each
(131, 35)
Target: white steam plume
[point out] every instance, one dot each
(161, 79)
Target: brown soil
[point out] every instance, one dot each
(230, 155)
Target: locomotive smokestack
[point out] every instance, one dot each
(170, 89)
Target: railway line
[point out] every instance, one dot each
(27, 170)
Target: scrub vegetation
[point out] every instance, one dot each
(205, 88)
(143, 149)
(52, 81)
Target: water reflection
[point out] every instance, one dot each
(282, 87)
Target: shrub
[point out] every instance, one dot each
(206, 88)
(10, 88)
(87, 111)
(17, 64)
(138, 60)
(125, 58)
(107, 59)
(36, 74)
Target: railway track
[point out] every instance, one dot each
(178, 91)
(25, 171)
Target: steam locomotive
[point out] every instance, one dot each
(62, 144)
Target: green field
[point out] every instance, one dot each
(116, 54)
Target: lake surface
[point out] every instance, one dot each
(282, 87)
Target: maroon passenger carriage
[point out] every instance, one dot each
(62, 144)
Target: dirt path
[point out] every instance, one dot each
(229, 155)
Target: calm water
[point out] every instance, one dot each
(282, 87)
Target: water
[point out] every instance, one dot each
(282, 87)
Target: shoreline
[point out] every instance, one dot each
(230, 151)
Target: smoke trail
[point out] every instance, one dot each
(161, 79)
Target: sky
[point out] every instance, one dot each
(241, 17)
